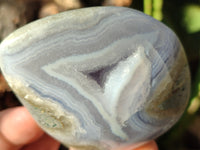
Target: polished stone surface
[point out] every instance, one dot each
(99, 77)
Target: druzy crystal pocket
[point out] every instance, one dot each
(98, 77)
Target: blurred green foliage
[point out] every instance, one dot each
(191, 18)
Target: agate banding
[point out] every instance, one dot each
(99, 77)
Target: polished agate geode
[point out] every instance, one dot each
(98, 78)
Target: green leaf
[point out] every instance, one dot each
(192, 18)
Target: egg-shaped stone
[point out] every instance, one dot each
(98, 78)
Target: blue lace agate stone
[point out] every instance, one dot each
(98, 78)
